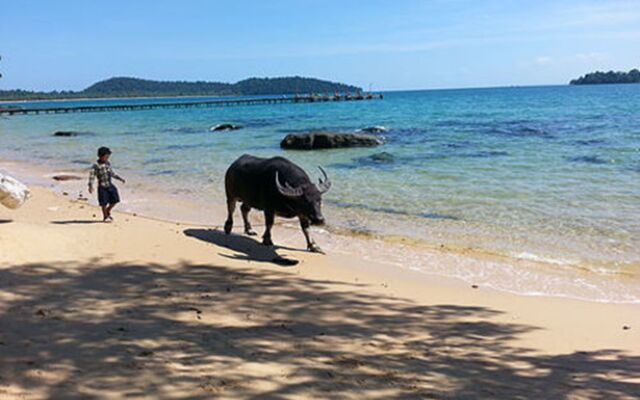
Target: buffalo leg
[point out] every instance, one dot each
(311, 245)
(245, 217)
(268, 220)
(231, 207)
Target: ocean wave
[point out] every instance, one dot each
(586, 159)
(590, 142)
(184, 129)
(392, 211)
(155, 161)
(162, 172)
(183, 146)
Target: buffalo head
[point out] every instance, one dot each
(307, 197)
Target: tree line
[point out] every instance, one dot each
(599, 77)
(134, 87)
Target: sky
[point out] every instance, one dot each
(383, 44)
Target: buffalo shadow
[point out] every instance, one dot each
(246, 248)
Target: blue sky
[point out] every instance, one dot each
(401, 44)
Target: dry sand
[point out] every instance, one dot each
(148, 309)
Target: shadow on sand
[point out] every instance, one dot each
(246, 248)
(198, 331)
(78, 222)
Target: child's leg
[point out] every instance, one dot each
(105, 211)
(114, 198)
(109, 208)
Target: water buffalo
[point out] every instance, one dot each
(278, 187)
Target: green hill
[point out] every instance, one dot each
(134, 87)
(596, 78)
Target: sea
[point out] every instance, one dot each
(540, 181)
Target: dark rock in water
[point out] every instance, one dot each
(225, 127)
(373, 129)
(64, 177)
(382, 158)
(328, 140)
(66, 133)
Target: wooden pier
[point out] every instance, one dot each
(17, 110)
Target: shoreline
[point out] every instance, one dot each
(520, 276)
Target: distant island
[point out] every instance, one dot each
(597, 78)
(134, 87)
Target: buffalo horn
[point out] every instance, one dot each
(287, 190)
(324, 185)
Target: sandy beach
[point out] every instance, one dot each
(448, 200)
(152, 309)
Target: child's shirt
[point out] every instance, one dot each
(103, 172)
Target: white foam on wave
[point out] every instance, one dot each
(529, 276)
(538, 258)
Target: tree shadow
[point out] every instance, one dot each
(246, 248)
(198, 331)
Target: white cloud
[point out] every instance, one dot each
(543, 60)
(593, 56)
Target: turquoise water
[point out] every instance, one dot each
(541, 173)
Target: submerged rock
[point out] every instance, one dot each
(373, 129)
(66, 133)
(225, 127)
(66, 177)
(379, 158)
(328, 140)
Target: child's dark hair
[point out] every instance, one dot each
(103, 151)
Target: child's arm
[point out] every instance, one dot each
(92, 177)
(116, 176)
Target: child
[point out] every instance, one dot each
(107, 192)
